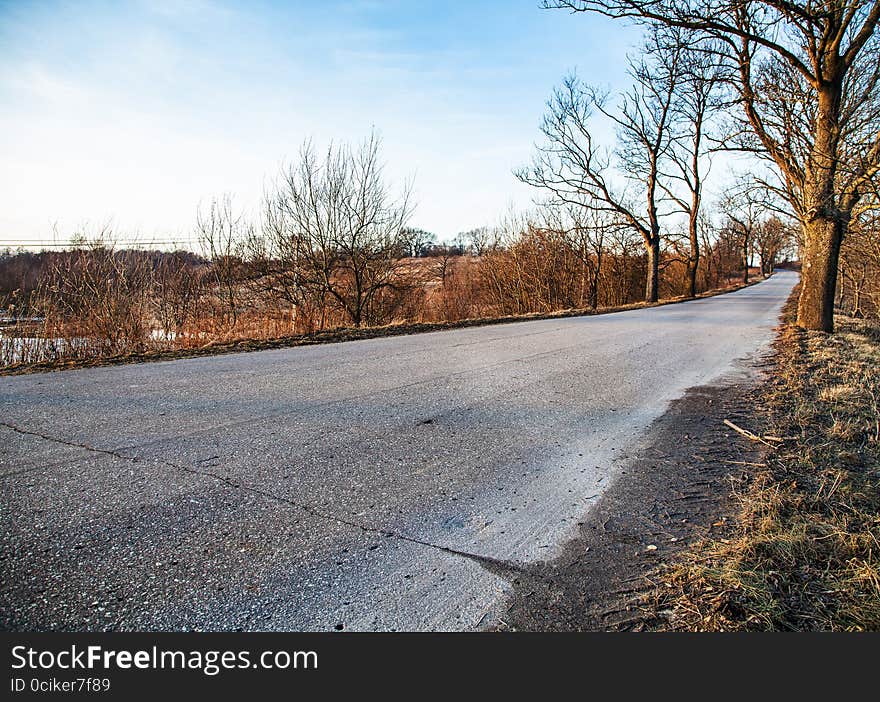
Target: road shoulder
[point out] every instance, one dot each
(676, 491)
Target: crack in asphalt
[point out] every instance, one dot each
(493, 564)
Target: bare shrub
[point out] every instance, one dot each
(177, 295)
(95, 301)
(338, 235)
(222, 233)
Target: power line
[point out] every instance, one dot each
(57, 244)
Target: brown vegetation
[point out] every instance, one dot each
(859, 290)
(803, 554)
(332, 250)
(95, 302)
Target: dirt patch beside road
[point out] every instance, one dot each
(675, 492)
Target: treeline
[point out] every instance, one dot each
(332, 247)
(793, 86)
(99, 301)
(858, 292)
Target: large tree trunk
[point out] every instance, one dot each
(652, 283)
(822, 237)
(824, 224)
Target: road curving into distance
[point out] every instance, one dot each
(381, 484)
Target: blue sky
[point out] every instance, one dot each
(136, 111)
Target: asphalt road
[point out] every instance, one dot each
(378, 484)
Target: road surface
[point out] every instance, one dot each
(377, 484)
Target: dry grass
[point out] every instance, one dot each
(805, 554)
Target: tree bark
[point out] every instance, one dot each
(822, 237)
(823, 223)
(694, 214)
(693, 262)
(652, 283)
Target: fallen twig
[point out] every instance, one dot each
(746, 433)
(780, 439)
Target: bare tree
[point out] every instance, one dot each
(743, 206)
(479, 240)
(576, 171)
(860, 263)
(176, 292)
(274, 255)
(445, 255)
(222, 233)
(711, 265)
(417, 241)
(583, 231)
(807, 75)
(697, 99)
(772, 237)
(342, 229)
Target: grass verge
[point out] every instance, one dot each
(804, 551)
